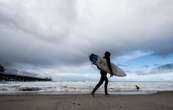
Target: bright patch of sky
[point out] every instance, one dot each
(145, 61)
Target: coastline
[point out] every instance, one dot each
(157, 101)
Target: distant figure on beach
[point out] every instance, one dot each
(103, 75)
(137, 87)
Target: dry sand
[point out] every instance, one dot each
(160, 101)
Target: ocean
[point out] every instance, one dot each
(83, 87)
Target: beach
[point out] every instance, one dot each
(158, 101)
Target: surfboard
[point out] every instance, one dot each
(101, 63)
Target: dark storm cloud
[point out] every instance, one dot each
(30, 31)
(65, 32)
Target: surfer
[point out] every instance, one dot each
(103, 75)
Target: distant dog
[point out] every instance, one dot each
(137, 87)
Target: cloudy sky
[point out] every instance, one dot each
(56, 36)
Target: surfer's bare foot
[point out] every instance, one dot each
(107, 94)
(93, 94)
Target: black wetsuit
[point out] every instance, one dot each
(103, 78)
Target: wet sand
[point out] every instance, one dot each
(159, 101)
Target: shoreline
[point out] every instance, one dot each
(79, 93)
(81, 88)
(87, 94)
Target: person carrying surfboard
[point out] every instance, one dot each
(104, 75)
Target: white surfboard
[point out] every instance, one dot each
(101, 63)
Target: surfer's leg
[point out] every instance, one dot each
(98, 85)
(106, 85)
